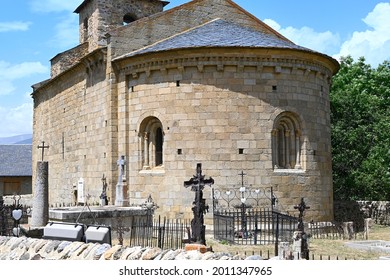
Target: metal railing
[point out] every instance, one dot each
(253, 226)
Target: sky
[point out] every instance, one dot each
(33, 31)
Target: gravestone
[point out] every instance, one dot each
(80, 191)
(121, 186)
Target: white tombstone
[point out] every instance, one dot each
(80, 191)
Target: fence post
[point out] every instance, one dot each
(276, 235)
(256, 227)
(3, 227)
(159, 235)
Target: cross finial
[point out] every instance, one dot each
(242, 174)
(43, 147)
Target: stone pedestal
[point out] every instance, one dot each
(284, 251)
(121, 195)
(40, 212)
(300, 248)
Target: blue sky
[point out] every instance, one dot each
(34, 31)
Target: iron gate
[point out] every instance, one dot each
(254, 226)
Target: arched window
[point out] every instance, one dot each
(286, 142)
(151, 143)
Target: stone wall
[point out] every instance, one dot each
(72, 115)
(13, 248)
(213, 105)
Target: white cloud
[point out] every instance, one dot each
(324, 42)
(48, 6)
(14, 26)
(373, 43)
(67, 32)
(10, 73)
(17, 120)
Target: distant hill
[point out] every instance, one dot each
(18, 139)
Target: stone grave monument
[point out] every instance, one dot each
(40, 210)
(121, 186)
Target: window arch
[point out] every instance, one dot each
(151, 143)
(286, 142)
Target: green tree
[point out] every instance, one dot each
(360, 118)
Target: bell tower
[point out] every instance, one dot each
(98, 17)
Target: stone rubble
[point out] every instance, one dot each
(24, 248)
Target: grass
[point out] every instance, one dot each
(319, 248)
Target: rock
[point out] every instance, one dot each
(127, 252)
(150, 253)
(25, 257)
(100, 251)
(110, 252)
(171, 254)
(254, 258)
(136, 254)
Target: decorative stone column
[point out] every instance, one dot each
(40, 212)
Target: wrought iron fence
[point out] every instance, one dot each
(146, 232)
(7, 222)
(253, 226)
(227, 199)
(335, 230)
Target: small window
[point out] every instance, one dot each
(128, 18)
(85, 27)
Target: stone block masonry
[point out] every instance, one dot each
(150, 85)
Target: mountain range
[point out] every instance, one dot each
(17, 139)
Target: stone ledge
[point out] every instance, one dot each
(23, 248)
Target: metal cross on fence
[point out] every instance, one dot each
(43, 147)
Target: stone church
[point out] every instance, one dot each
(164, 89)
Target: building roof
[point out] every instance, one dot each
(218, 33)
(15, 160)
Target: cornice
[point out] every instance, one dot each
(135, 67)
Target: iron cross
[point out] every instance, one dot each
(301, 207)
(43, 147)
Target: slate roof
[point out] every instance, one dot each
(15, 160)
(218, 33)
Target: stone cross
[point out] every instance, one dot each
(197, 184)
(121, 162)
(43, 147)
